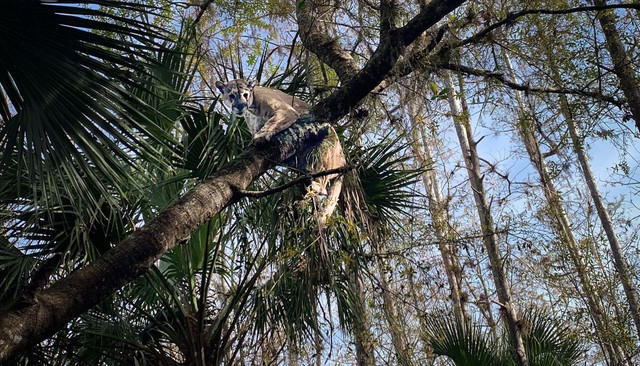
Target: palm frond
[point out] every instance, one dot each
(381, 187)
(464, 343)
(15, 268)
(548, 342)
(66, 107)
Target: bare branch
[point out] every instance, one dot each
(512, 17)
(382, 61)
(203, 8)
(301, 179)
(498, 76)
(414, 60)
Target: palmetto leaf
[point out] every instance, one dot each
(385, 181)
(65, 107)
(549, 342)
(546, 341)
(381, 189)
(464, 343)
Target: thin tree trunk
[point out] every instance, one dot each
(619, 259)
(362, 330)
(437, 210)
(622, 65)
(293, 354)
(562, 226)
(396, 325)
(469, 152)
(483, 303)
(318, 345)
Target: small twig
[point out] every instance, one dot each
(499, 304)
(513, 16)
(306, 177)
(498, 76)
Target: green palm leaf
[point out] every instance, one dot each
(547, 342)
(464, 343)
(381, 189)
(65, 107)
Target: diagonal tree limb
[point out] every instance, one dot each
(382, 61)
(513, 16)
(52, 308)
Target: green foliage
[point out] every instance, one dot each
(62, 212)
(549, 342)
(385, 182)
(65, 103)
(546, 342)
(464, 343)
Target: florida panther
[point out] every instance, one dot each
(269, 111)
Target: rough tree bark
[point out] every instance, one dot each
(363, 338)
(30, 322)
(397, 325)
(468, 147)
(622, 65)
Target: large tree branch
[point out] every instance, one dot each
(69, 297)
(326, 48)
(53, 307)
(382, 61)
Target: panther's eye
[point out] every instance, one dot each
(246, 95)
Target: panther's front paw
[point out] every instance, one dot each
(261, 138)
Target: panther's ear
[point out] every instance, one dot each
(221, 86)
(252, 83)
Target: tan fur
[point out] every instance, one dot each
(269, 111)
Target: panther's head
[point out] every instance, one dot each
(238, 94)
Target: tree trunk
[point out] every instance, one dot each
(438, 211)
(562, 226)
(622, 65)
(619, 259)
(468, 146)
(397, 327)
(363, 338)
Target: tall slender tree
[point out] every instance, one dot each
(627, 76)
(490, 238)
